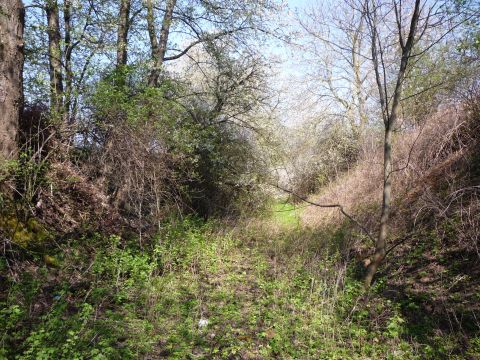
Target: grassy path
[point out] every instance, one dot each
(235, 297)
(264, 289)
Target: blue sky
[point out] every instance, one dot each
(288, 73)
(298, 3)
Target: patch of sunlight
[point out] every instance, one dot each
(286, 214)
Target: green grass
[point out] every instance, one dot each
(267, 292)
(286, 214)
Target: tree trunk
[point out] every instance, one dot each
(390, 119)
(11, 71)
(357, 76)
(67, 18)
(122, 32)
(159, 48)
(55, 60)
(380, 244)
(358, 84)
(152, 32)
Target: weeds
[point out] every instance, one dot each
(261, 290)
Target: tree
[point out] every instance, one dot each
(338, 72)
(55, 58)
(202, 22)
(11, 69)
(407, 30)
(159, 46)
(65, 41)
(389, 104)
(399, 34)
(122, 32)
(68, 48)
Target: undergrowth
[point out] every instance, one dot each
(262, 290)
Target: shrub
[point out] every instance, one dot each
(328, 155)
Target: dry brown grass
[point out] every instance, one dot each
(426, 159)
(435, 221)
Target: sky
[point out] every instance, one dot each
(298, 3)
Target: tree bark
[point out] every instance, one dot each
(67, 19)
(55, 59)
(122, 32)
(380, 244)
(159, 47)
(12, 16)
(357, 76)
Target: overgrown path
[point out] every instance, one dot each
(264, 288)
(236, 295)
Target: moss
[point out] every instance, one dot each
(25, 234)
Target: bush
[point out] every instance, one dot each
(332, 153)
(155, 157)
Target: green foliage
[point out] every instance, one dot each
(27, 176)
(211, 164)
(70, 326)
(7, 169)
(281, 294)
(469, 43)
(121, 97)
